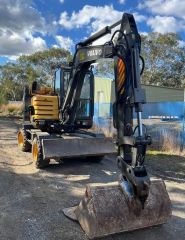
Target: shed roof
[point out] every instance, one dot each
(153, 93)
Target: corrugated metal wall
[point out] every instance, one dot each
(161, 101)
(163, 94)
(153, 93)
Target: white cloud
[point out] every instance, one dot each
(19, 21)
(138, 17)
(165, 7)
(61, 1)
(165, 24)
(20, 17)
(94, 17)
(121, 1)
(15, 45)
(65, 42)
(55, 46)
(181, 43)
(144, 33)
(169, 15)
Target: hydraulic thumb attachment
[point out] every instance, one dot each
(135, 201)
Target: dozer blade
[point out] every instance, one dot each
(76, 147)
(105, 210)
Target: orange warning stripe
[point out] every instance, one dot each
(121, 75)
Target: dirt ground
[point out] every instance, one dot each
(31, 200)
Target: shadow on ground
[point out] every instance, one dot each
(35, 202)
(170, 167)
(31, 201)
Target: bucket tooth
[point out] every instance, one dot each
(104, 210)
(70, 213)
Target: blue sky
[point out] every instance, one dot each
(27, 26)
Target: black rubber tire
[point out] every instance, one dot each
(26, 146)
(40, 163)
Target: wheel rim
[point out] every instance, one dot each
(35, 151)
(20, 139)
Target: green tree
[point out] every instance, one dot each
(39, 66)
(104, 68)
(10, 83)
(164, 60)
(43, 64)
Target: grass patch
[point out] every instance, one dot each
(157, 153)
(166, 136)
(166, 164)
(11, 109)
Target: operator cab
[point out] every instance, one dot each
(85, 110)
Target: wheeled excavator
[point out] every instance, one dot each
(59, 123)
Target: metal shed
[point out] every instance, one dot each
(161, 101)
(163, 94)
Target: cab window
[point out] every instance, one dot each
(57, 81)
(66, 80)
(84, 104)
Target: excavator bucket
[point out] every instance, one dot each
(105, 210)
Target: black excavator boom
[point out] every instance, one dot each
(135, 201)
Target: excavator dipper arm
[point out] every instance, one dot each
(136, 201)
(125, 51)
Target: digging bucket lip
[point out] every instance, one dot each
(70, 213)
(158, 211)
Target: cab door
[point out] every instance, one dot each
(85, 110)
(61, 82)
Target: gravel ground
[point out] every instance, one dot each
(31, 200)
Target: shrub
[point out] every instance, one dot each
(2, 100)
(166, 137)
(170, 140)
(11, 109)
